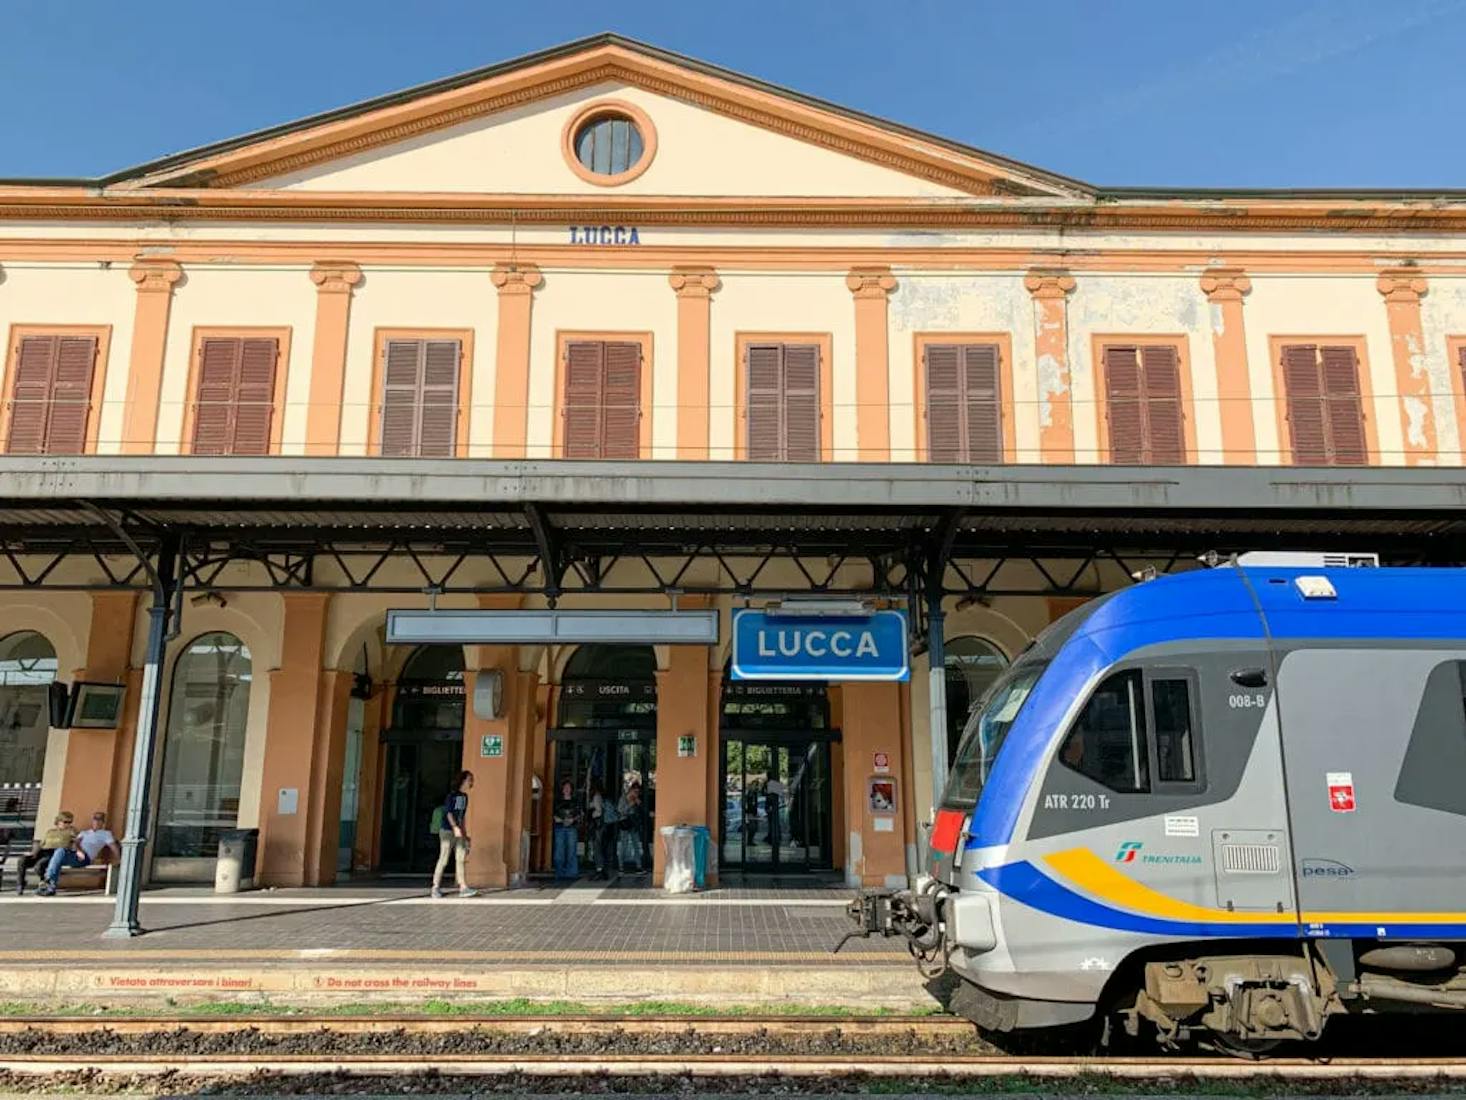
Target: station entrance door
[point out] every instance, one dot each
(423, 754)
(776, 778)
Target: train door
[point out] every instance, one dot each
(1375, 743)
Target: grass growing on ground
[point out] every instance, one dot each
(519, 1006)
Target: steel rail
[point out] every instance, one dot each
(743, 1065)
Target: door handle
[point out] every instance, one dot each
(1249, 677)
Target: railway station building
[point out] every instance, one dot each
(609, 329)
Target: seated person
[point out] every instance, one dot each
(83, 852)
(60, 836)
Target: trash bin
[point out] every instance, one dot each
(677, 875)
(235, 868)
(702, 846)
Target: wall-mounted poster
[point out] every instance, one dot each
(882, 794)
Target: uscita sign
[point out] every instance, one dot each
(798, 647)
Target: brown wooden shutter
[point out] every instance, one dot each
(1343, 407)
(1164, 438)
(801, 403)
(765, 364)
(963, 404)
(945, 433)
(621, 402)
(1124, 405)
(234, 401)
(1306, 421)
(981, 404)
(50, 400)
(401, 385)
(585, 374)
(254, 396)
(437, 435)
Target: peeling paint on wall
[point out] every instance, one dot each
(1218, 319)
(1415, 414)
(1053, 380)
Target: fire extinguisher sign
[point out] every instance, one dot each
(1341, 792)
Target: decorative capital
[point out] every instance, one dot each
(521, 279)
(693, 282)
(1402, 286)
(871, 282)
(335, 277)
(1225, 284)
(1049, 284)
(155, 276)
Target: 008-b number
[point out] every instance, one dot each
(1247, 700)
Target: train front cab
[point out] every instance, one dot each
(1229, 802)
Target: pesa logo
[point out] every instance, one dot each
(1326, 868)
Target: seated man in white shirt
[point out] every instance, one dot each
(89, 845)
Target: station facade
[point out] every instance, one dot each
(610, 254)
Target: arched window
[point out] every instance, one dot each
(203, 752)
(27, 667)
(972, 665)
(609, 686)
(430, 694)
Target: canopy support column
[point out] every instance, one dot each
(134, 841)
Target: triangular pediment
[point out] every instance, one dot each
(503, 130)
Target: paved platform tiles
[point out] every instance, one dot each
(379, 941)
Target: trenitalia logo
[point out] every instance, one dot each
(1128, 851)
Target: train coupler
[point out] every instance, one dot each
(906, 913)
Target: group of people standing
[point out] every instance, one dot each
(613, 829)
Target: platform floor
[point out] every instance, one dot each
(755, 922)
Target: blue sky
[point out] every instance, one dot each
(1245, 93)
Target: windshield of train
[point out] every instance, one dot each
(986, 729)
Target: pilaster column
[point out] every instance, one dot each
(682, 711)
(155, 280)
(322, 807)
(494, 805)
(1051, 290)
(1224, 289)
(511, 362)
(334, 282)
(872, 288)
(92, 769)
(694, 287)
(298, 693)
(1402, 292)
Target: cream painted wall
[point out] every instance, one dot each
(1443, 315)
(1320, 306)
(699, 152)
(76, 294)
(390, 297)
(926, 302)
(220, 297)
(780, 302)
(611, 302)
(1141, 306)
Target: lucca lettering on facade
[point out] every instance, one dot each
(604, 234)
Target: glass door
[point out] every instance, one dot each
(776, 804)
(418, 776)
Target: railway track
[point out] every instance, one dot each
(299, 1048)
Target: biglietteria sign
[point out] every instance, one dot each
(797, 647)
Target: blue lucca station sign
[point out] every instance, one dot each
(770, 646)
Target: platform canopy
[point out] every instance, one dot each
(557, 526)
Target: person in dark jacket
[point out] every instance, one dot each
(453, 837)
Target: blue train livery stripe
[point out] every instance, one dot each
(1025, 883)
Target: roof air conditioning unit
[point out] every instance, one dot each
(1294, 559)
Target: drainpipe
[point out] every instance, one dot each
(130, 873)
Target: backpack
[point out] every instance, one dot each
(436, 823)
(609, 816)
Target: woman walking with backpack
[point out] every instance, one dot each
(453, 836)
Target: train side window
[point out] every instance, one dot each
(1108, 741)
(1175, 736)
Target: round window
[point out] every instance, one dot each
(609, 142)
(609, 145)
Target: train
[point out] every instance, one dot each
(1219, 808)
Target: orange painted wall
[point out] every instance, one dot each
(297, 690)
(682, 708)
(94, 757)
(872, 724)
